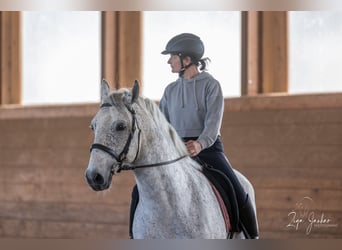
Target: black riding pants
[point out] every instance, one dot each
(215, 157)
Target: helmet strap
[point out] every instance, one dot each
(183, 68)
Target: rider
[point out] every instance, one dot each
(193, 104)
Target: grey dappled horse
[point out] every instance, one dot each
(176, 200)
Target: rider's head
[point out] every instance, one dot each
(186, 45)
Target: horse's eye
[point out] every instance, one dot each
(91, 126)
(120, 126)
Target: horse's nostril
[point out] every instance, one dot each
(98, 179)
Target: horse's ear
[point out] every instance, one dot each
(132, 96)
(104, 90)
(135, 91)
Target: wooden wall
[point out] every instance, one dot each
(43, 192)
(289, 147)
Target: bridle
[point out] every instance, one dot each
(120, 158)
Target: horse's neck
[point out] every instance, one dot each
(164, 186)
(156, 144)
(160, 143)
(161, 182)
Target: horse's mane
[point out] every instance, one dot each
(162, 123)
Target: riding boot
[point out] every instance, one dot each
(134, 204)
(248, 219)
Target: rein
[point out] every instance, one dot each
(132, 167)
(122, 156)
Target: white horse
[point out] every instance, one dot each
(176, 200)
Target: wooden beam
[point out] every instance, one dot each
(251, 53)
(274, 52)
(121, 47)
(264, 52)
(10, 57)
(130, 47)
(109, 44)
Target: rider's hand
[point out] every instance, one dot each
(193, 147)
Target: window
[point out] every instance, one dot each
(220, 32)
(61, 57)
(315, 56)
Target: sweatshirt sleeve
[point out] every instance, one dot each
(214, 113)
(163, 106)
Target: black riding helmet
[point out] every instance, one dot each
(185, 44)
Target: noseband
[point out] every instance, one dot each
(123, 155)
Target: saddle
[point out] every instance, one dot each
(226, 190)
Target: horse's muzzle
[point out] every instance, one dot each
(96, 181)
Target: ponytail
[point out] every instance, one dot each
(203, 63)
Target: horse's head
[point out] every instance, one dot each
(116, 137)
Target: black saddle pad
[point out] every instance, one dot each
(226, 190)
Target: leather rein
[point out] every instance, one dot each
(123, 155)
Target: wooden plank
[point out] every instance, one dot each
(251, 59)
(274, 51)
(284, 101)
(10, 57)
(51, 175)
(72, 189)
(264, 52)
(327, 134)
(286, 156)
(265, 177)
(121, 48)
(13, 228)
(48, 138)
(67, 212)
(109, 61)
(40, 157)
(282, 117)
(291, 235)
(72, 111)
(130, 48)
(244, 52)
(65, 193)
(287, 198)
(36, 124)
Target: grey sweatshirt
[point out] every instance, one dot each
(194, 107)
